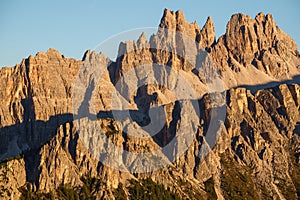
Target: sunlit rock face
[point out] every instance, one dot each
(221, 115)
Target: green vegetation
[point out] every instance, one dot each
(147, 189)
(295, 175)
(285, 188)
(90, 187)
(28, 195)
(142, 189)
(66, 192)
(209, 188)
(189, 190)
(237, 181)
(119, 193)
(63, 192)
(290, 190)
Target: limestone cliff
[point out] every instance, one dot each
(240, 140)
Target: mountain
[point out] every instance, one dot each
(180, 116)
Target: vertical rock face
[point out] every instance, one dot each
(252, 153)
(36, 99)
(207, 34)
(257, 42)
(13, 177)
(176, 21)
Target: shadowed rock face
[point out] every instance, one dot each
(257, 142)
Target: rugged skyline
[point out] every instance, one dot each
(66, 25)
(229, 107)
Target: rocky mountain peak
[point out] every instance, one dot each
(256, 148)
(142, 41)
(89, 55)
(258, 43)
(255, 34)
(208, 36)
(44, 57)
(176, 21)
(261, 17)
(53, 53)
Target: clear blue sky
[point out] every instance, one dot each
(75, 26)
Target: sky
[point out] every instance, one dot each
(72, 27)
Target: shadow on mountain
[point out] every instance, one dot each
(162, 137)
(29, 136)
(255, 88)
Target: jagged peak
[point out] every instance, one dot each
(142, 39)
(176, 21)
(260, 17)
(91, 55)
(239, 21)
(52, 50)
(180, 16)
(264, 24)
(269, 17)
(258, 42)
(209, 26)
(88, 55)
(51, 53)
(208, 36)
(54, 53)
(238, 18)
(168, 20)
(209, 22)
(171, 19)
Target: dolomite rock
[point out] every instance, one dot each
(258, 137)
